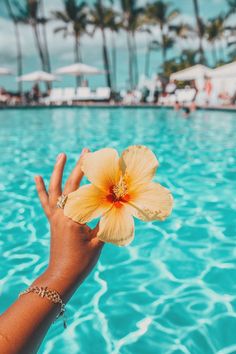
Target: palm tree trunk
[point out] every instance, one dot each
(135, 60)
(147, 62)
(163, 49)
(114, 69)
(214, 53)
(106, 58)
(40, 51)
(19, 58)
(46, 50)
(77, 58)
(222, 51)
(39, 46)
(131, 81)
(199, 26)
(18, 45)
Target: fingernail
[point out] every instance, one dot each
(36, 178)
(84, 151)
(59, 156)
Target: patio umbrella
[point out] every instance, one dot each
(79, 69)
(37, 76)
(5, 71)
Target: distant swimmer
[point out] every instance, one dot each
(177, 106)
(186, 111)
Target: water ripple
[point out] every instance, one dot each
(173, 290)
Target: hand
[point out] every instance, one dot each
(74, 248)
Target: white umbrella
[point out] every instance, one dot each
(193, 73)
(5, 71)
(79, 69)
(37, 76)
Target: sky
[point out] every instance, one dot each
(61, 49)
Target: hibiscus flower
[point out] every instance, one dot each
(121, 188)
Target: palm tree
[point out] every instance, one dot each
(148, 52)
(101, 18)
(29, 14)
(18, 43)
(231, 6)
(76, 15)
(160, 13)
(45, 40)
(131, 24)
(214, 33)
(187, 58)
(200, 30)
(114, 25)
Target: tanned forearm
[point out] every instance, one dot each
(24, 325)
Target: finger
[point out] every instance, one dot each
(55, 189)
(42, 194)
(76, 175)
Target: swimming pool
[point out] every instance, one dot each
(173, 289)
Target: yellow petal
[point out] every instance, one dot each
(102, 168)
(139, 164)
(153, 202)
(117, 226)
(85, 204)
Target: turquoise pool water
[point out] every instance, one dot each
(173, 290)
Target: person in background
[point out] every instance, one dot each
(4, 96)
(85, 83)
(224, 98)
(145, 94)
(158, 89)
(35, 93)
(177, 106)
(208, 89)
(186, 112)
(193, 106)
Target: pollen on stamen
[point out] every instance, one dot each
(120, 189)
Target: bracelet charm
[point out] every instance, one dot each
(51, 295)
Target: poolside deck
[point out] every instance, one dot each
(230, 108)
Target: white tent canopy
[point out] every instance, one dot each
(224, 79)
(37, 76)
(79, 69)
(223, 71)
(195, 72)
(5, 71)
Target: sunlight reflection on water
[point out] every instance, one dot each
(173, 289)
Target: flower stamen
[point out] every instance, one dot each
(120, 189)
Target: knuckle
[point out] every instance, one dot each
(52, 189)
(70, 182)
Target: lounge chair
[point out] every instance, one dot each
(84, 94)
(102, 94)
(69, 95)
(56, 96)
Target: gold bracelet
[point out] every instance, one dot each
(51, 295)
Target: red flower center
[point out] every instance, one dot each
(117, 201)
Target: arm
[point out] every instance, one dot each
(74, 250)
